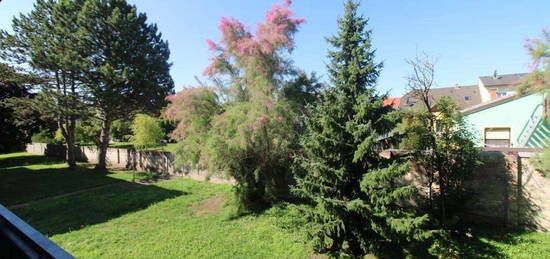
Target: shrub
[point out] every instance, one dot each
(147, 132)
(44, 136)
(86, 132)
(121, 130)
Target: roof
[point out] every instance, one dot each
(458, 94)
(392, 101)
(508, 79)
(489, 104)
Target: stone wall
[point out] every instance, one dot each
(508, 191)
(148, 161)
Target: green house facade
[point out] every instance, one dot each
(512, 121)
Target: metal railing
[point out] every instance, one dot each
(19, 240)
(529, 128)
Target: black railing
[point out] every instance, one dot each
(19, 240)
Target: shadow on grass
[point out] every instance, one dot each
(482, 242)
(26, 160)
(79, 211)
(21, 184)
(55, 216)
(49, 177)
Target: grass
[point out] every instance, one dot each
(26, 177)
(501, 243)
(177, 219)
(158, 221)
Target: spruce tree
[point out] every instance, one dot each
(355, 191)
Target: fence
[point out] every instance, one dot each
(159, 162)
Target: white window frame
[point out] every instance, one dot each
(512, 144)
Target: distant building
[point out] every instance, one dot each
(510, 121)
(463, 96)
(500, 117)
(498, 86)
(392, 101)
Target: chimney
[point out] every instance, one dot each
(495, 75)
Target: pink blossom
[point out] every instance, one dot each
(269, 103)
(262, 119)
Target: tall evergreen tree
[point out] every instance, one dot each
(15, 131)
(127, 63)
(356, 192)
(44, 43)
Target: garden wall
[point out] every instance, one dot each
(148, 161)
(508, 191)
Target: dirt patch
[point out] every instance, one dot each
(208, 206)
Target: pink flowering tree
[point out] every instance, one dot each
(193, 109)
(248, 132)
(539, 50)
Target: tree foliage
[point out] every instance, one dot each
(121, 130)
(15, 132)
(539, 50)
(44, 42)
(241, 126)
(194, 109)
(147, 132)
(357, 194)
(447, 153)
(127, 68)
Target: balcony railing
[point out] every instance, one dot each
(19, 240)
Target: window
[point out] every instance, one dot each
(411, 101)
(497, 137)
(467, 98)
(501, 93)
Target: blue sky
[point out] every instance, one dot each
(470, 38)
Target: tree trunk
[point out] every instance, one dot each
(103, 145)
(71, 158)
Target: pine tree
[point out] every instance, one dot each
(355, 191)
(43, 42)
(127, 64)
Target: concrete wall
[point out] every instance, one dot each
(514, 114)
(507, 190)
(148, 161)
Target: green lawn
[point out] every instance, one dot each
(184, 218)
(25, 177)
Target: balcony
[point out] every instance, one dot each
(19, 240)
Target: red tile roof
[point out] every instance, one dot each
(392, 101)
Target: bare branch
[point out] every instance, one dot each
(421, 80)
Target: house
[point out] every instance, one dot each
(510, 121)
(392, 101)
(498, 86)
(463, 96)
(498, 115)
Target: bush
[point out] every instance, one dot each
(44, 136)
(147, 132)
(121, 130)
(86, 132)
